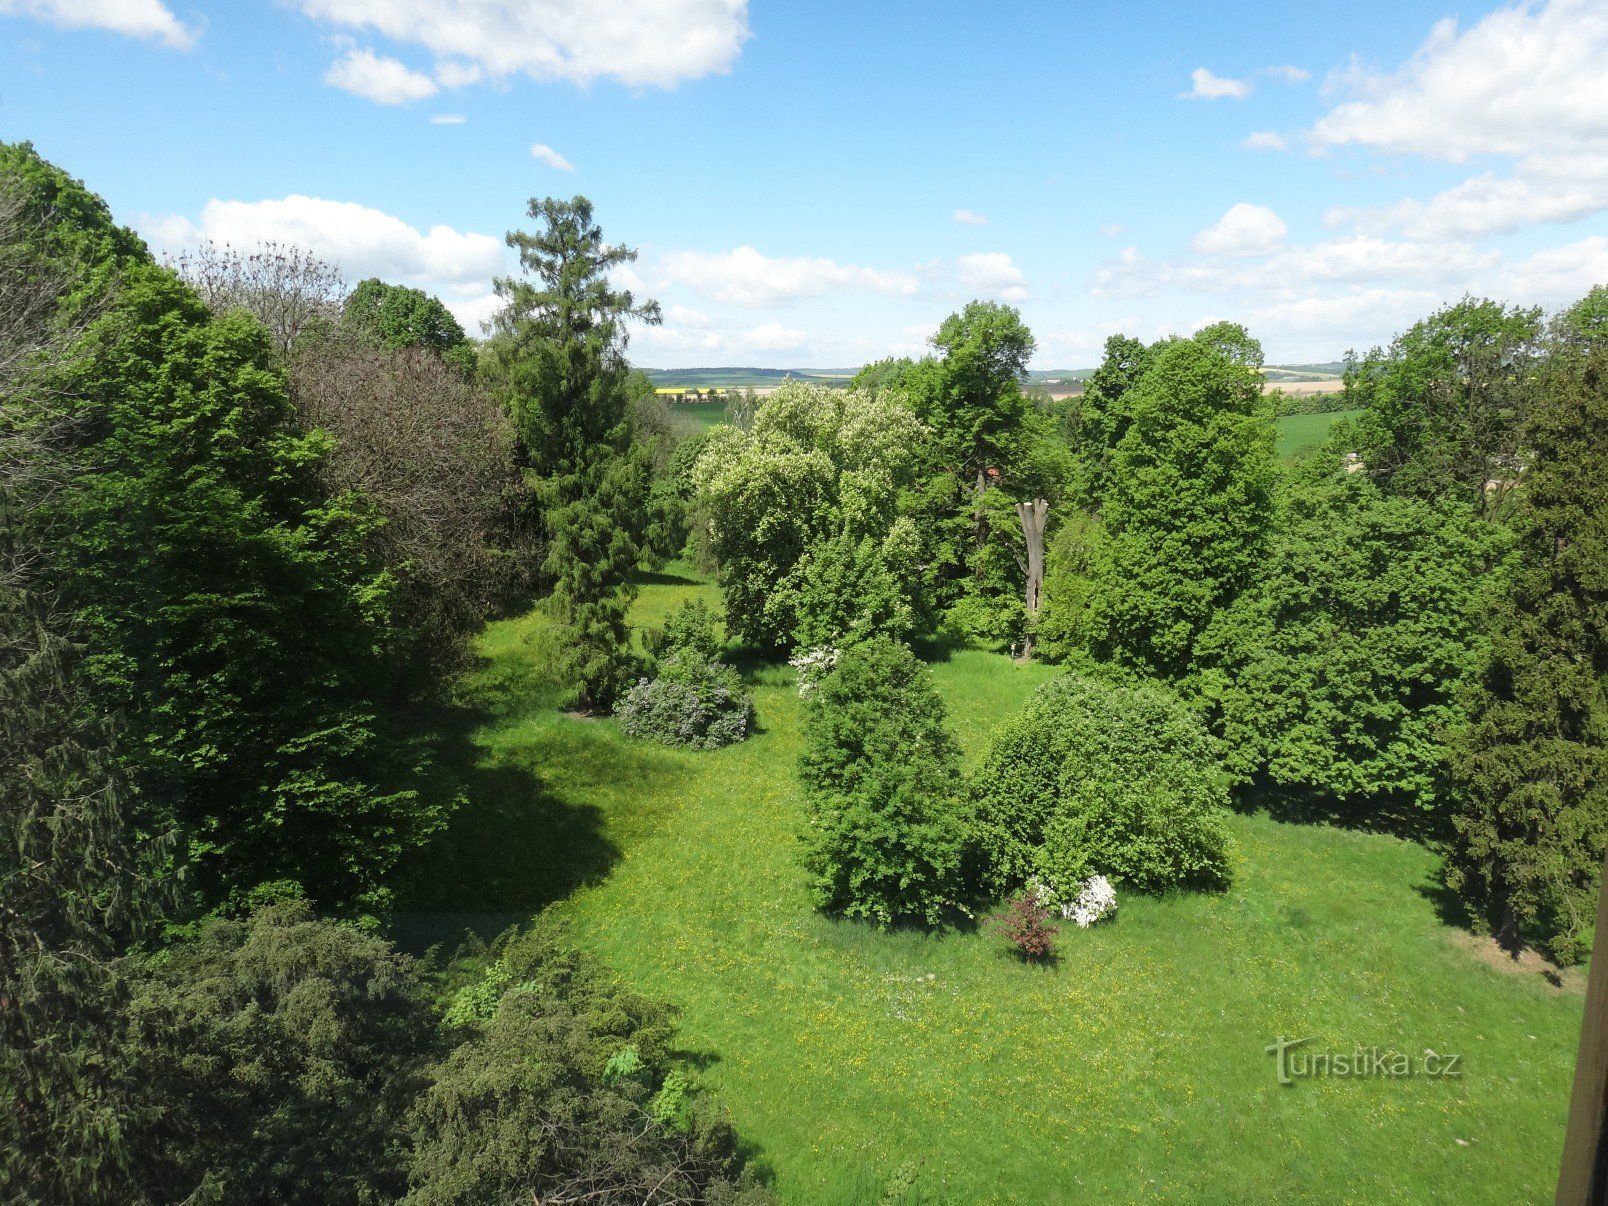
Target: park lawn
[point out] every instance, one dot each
(1298, 432)
(1132, 1070)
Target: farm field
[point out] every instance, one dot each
(1132, 1070)
(1296, 432)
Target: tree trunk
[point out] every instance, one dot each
(979, 515)
(1033, 515)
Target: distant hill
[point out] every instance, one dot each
(1327, 371)
(742, 377)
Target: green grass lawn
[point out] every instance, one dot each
(1132, 1070)
(1306, 431)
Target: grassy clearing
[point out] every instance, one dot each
(1132, 1070)
(1297, 432)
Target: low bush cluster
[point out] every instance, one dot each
(693, 700)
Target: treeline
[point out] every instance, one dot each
(1405, 629)
(250, 520)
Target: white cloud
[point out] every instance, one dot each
(385, 81)
(659, 43)
(1111, 230)
(1288, 74)
(745, 277)
(362, 240)
(993, 272)
(773, 337)
(1524, 79)
(135, 18)
(1265, 140)
(1558, 275)
(966, 218)
(1244, 230)
(1491, 204)
(545, 153)
(1206, 86)
(448, 119)
(685, 316)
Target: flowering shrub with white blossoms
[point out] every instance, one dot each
(1096, 899)
(813, 665)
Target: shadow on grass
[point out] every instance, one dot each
(512, 846)
(644, 577)
(1305, 806)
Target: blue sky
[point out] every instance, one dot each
(820, 184)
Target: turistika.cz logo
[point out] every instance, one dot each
(1296, 1061)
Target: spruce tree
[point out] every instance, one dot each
(1532, 764)
(559, 359)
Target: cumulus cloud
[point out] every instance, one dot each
(362, 240)
(660, 43)
(383, 80)
(745, 277)
(1244, 230)
(966, 218)
(1558, 275)
(545, 153)
(1522, 79)
(1265, 140)
(773, 337)
(1206, 86)
(993, 272)
(135, 18)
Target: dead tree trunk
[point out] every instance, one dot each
(1033, 517)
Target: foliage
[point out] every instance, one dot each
(525, 1108)
(1024, 922)
(1103, 416)
(878, 770)
(1069, 585)
(803, 516)
(1533, 763)
(1445, 403)
(692, 701)
(398, 316)
(285, 1051)
(434, 456)
(692, 628)
(1187, 512)
(287, 289)
(1340, 671)
(558, 361)
(1096, 778)
(78, 880)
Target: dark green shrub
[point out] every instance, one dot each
(885, 839)
(1096, 778)
(562, 1091)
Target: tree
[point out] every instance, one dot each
(286, 288)
(1098, 778)
(1337, 676)
(804, 516)
(1188, 509)
(396, 316)
(884, 840)
(561, 1089)
(79, 876)
(285, 1051)
(1533, 763)
(435, 456)
(558, 357)
(1102, 417)
(1445, 403)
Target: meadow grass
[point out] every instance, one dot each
(1296, 432)
(1133, 1069)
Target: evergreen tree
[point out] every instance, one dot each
(559, 359)
(1533, 764)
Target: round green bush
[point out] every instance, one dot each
(693, 702)
(1098, 778)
